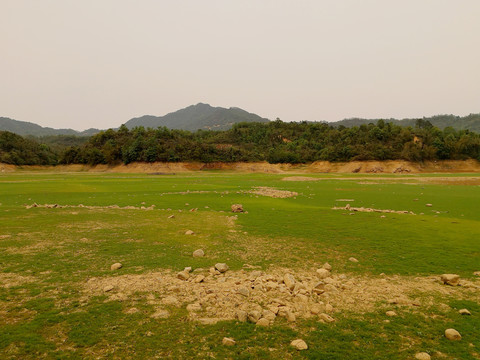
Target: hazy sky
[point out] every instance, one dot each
(98, 63)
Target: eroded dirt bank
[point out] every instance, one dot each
(392, 167)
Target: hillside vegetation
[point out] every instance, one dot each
(278, 142)
(274, 142)
(17, 150)
(470, 122)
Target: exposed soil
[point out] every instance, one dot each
(8, 280)
(271, 192)
(159, 168)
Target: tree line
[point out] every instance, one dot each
(275, 142)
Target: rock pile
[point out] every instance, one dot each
(255, 296)
(370, 210)
(237, 208)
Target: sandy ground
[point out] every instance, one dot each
(392, 167)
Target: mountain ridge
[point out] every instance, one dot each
(197, 117)
(205, 117)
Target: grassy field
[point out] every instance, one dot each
(54, 263)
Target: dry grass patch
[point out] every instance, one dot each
(8, 280)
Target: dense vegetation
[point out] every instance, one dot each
(470, 122)
(278, 142)
(17, 150)
(275, 142)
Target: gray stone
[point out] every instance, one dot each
(198, 253)
(452, 334)
(116, 266)
(221, 267)
(299, 344)
(228, 341)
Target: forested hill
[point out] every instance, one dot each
(197, 117)
(278, 142)
(28, 128)
(274, 141)
(17, 150)
(470, 122)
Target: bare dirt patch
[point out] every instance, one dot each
(272, 192)
(221, 296)
(8, 280)
(391, 166)
(90, 207)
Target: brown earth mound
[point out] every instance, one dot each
(392, 167)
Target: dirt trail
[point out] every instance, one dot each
(159, 168)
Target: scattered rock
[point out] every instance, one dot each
(323, 273)
(242, 315)
(170, 300)
(428, 205)
(269, 315)
(331, 288)
(188, 269)
(422, 356)
(160, 314)
(189, 232)
(263, 322)
(237, 208)
(183, 275)
(328, 308)
(132, 310)
(464, 312)
(108, 288)
(450, 279)
(477, 273)
(299, 344)
(290, 316)
(289, 281)
(228, 341)
(391, 313)
(326, 318)
(222, 267)
(327, 266)
(319, 288)
(452, 334)
(199, 279)
(116, 266)
(194, 307)
(254, 316)
(352, 259)
(243, 291)
(171, 217)
(198, 253)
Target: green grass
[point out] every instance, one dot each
(45, 318)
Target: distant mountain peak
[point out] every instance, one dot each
(195, 117)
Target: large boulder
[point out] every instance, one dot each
(422, 356)
(221, 267)
(452, 334)
(198, 253)
(289, 281)
(237, 208)
(299, 344)
(450, 279)
(228, 341)
(116, 266)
